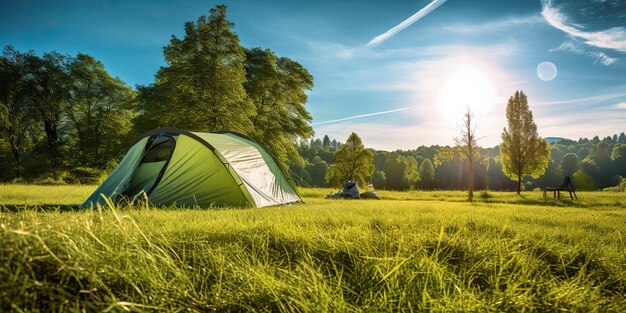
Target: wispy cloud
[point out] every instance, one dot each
(621, 105)
(495, 25)
(362, 116)
(406, 23)
(571, 46)
(612, 38)
(586, 100)
(404, 136)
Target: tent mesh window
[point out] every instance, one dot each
(160, 149)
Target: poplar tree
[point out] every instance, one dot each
(523, 152)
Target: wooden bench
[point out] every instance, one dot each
(565, 186)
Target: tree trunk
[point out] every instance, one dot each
(471, 178)
(16, 156)
(519, 182)
(53, 139)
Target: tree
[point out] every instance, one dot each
(201, 88)
(47, 81)
(300, 175)
(618, 150)
(397, 172)
(15, 120)
(412, 171)
(570, 164)
(100, 110)
(317, 171)
(466, 143)
(618, 155)
(427, 174)
(523, 152)
(277, 87)
(380, 158)
(326, 142)
(379, 179)
(352, 162)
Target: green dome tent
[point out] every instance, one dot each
(173, 166)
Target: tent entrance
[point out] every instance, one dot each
(158, 152)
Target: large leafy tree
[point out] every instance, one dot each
(201, 88)
(523, 152)
(15, 120)
(99, 111)
(277, 86)
(47, 80)
(352, 162)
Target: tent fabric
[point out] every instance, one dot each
(119, 180)
(196, 176)
(257, 169)
(204, 169)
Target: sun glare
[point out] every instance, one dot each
(465, 86)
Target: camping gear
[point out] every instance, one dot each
(172, 166)
(350, 191)
(565, 186)
(370, 195)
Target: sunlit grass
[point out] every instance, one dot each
(416, 250)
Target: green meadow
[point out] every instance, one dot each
(412, 251)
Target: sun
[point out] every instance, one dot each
(465, 86)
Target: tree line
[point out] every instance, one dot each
(592, 163)
(65, 118)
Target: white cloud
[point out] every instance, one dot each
(495, 25)
(620, 105)
(570, 46)
(585, 100)
(612, 38)
(406, 23)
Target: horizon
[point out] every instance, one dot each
(402, 68)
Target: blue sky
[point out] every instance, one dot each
(406, 90)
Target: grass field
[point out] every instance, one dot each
(413, 251)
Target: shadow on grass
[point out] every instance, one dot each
(41, 207)
(524, 200)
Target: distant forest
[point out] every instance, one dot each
(592, 163)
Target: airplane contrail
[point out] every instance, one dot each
(406, 23)
(361, 116)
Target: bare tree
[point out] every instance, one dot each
(466, 143)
